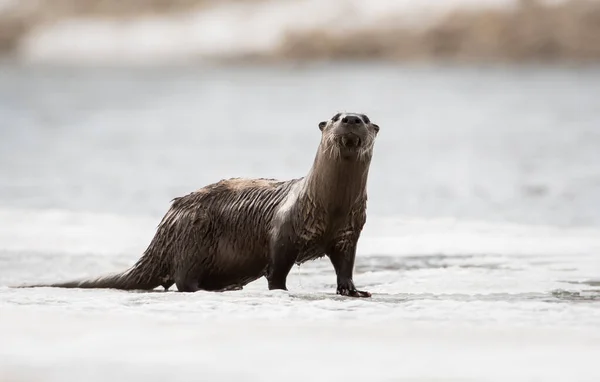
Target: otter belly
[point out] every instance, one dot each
(233, 264)
(222, 234)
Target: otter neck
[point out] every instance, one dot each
(336, 183)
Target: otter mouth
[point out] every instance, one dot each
(350, 141)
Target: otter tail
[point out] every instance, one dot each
(117, 281)
(146, 274)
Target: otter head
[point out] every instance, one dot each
(349, 135)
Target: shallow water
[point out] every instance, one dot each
(482, 246)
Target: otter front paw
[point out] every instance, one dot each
(353, 292)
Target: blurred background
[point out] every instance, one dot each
(484, 190)
(489, 109)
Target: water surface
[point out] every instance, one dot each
(482, 246)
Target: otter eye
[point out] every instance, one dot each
(336, 117)
(365, 119)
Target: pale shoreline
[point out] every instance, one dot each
(278, 31)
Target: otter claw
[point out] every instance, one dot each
(353, 293)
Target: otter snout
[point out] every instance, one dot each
(352, 131)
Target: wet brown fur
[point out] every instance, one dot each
(232, 232)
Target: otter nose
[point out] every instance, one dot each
(351, 120)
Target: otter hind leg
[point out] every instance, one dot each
(188, 273)
(187, 285)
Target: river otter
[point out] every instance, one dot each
(227, 234)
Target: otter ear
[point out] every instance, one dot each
(376, 127)
(322, 125)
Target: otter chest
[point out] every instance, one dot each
(314, 240)
(311, 250)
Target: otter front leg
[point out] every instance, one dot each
(282, 256)
(343, 263)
